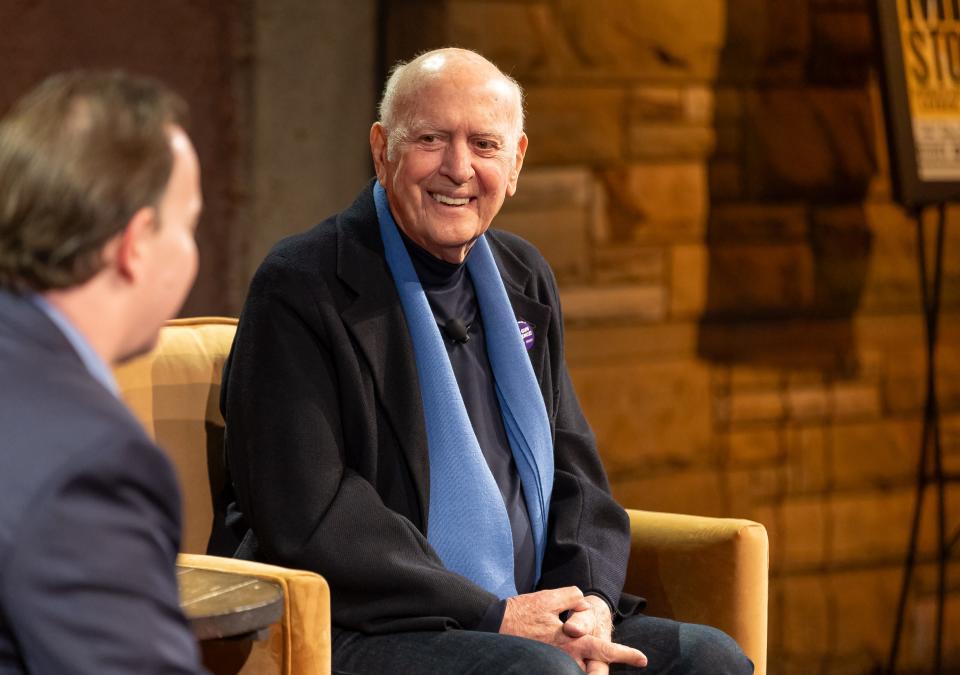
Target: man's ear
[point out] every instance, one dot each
(517, 165)
(378, 148)
(130, 246)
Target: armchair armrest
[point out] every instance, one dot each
(298, 644)
(703, 570)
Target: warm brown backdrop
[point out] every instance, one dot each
(709, 180)
(199, 48)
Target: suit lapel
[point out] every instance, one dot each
(517, 279)
(538, 317)
(375, 320)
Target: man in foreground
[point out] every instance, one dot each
(400, 418)
(99, 199)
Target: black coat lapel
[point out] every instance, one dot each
(517, 278)
(375, 320)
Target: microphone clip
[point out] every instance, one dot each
(457, 331)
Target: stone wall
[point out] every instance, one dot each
(709, 180)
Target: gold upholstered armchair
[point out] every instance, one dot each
(174, 391)
(704, 570)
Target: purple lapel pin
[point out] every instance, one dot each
(526, 332)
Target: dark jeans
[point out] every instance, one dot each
(671, 647)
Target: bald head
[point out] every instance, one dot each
(408, 81)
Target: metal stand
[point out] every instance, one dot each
(930, 467)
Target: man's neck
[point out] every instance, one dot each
(432, 270)
(93, 318)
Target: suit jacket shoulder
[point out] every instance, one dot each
(89, 518)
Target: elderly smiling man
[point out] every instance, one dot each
(400, 418)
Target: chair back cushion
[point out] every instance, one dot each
(175, 393)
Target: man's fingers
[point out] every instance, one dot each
(610, 652)
(582, 606)
(563, 599)
(597, 668)
(579, 624)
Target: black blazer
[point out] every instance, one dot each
(326, 442)
(89, 518)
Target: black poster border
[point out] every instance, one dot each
(908, 188)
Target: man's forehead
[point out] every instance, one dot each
(467, 77)
(491, 126)
(460, 70)
(486, 104)
(500, 86)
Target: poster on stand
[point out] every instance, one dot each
(920, 46)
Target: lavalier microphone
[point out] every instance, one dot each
(457, 331)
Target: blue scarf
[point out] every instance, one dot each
(468, 525)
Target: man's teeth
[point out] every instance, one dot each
(443, 199)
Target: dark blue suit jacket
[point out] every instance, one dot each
(89, 518)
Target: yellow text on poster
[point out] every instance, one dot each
(930, 38)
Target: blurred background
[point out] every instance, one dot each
(709, 180)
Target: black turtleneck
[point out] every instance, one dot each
(451, 295)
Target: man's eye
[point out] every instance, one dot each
(484, 144)
(429, 138)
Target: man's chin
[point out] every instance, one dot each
(457, 252)
(139, 349)
(458, 228)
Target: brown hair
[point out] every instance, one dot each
(79, 156)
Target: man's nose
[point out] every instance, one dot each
(458, 162)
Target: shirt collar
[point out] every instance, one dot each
(432, 270)
(90, 359)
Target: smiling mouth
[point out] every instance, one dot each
(449, 201)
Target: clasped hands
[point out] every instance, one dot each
(585, 635)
